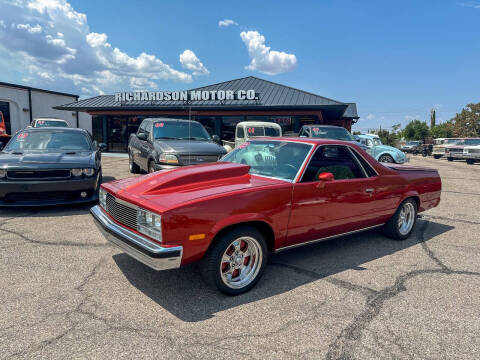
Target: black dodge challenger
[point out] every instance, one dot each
(49, 166)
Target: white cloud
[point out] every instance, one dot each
(191, 62)
(263, 59)
(226, 22)
(52, 45)
(471, 4)
(370, 116)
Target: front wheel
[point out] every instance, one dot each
(401, 224)
(470, 161)
(386, 159)
(236, 262)
(437, 156)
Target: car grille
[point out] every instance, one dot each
(124, 214)
(197, 159)
(38, 174)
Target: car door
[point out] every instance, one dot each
(323, 209)
(146, 147)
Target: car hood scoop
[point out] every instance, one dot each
(187, 177)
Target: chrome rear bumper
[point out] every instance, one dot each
(139, 247)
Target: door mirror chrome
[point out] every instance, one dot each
(142, 136)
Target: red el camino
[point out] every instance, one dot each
(267, 195)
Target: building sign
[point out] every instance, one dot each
(187, 95)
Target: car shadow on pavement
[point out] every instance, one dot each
(183, 293)
(46, 211)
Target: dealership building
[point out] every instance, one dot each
(219, 107)
(21, 104)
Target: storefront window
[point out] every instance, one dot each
(5, 109)
(209, 123)
(229, 123)
(97, 128)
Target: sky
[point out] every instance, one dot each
(396, 59)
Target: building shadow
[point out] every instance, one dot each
(183, 293)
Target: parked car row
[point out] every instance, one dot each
(457, 149)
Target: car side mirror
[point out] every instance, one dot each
(102, 146)
(323, 178)
(142, 136)
(216, 139)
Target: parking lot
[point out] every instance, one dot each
(65, 293)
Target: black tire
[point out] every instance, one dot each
(386, 159)
(450, 159)
(134, 168)
(437, 156)
(470, 161)
(392, 228)
(151, 167)
(210, 266)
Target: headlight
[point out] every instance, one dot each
(102, 198)
(3, 173)
(88, 172)
(168, 159)
(76, 172)
(150, 224)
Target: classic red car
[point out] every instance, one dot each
(267, 195)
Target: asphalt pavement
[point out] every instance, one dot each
(65, 293)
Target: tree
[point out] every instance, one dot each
(467, 122)
(444, 130)
(433, 117)
(416, 130)
(387, 138)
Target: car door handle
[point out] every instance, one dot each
(369, 191)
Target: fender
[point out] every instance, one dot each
(408, 194)
(238, 219)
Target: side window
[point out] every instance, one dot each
(335, 159)
(240, 132)
(148, 128)
(303, 132)
(366, 166)
(141, 128)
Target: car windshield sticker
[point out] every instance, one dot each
(41, 122)
(157, 125)
(317, 130)
(251, 130)
(22, 136)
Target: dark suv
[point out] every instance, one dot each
(162, 143)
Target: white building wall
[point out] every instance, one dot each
(42, 106)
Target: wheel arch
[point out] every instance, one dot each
(386, 153)
(262, 226)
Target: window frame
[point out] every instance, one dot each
(354, 158)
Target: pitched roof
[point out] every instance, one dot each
(271, 95)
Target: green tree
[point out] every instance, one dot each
(416, 130)
(433, 117)
(467, 122)
(387, 138)
(444, 130)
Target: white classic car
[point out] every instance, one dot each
(246, 130)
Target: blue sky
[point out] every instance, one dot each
(395, 59)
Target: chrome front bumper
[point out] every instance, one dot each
(139, 247)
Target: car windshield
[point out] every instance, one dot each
(472, 141)
(179, 131)
(337, 133)
(452, 141)
(377, 141)
(48, 141)
(278, 159)
(254, 131)
(46, 123)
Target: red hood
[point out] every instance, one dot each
(164, 190)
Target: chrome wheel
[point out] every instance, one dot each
(386, 159)
(241, 262)
(406, 218)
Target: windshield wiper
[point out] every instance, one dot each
(166, 137)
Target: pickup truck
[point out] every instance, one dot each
(162, 143)
(246, 130)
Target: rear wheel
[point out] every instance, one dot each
(386, 159)
(134, 168)
(470, 161)
(236, 262)
(437, 156)
(401, 224)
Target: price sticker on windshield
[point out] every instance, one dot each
(251, 130)
(22, 136)
(41, 122)
(157, 125)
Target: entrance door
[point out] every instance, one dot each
(345, 204)
(117, 134)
